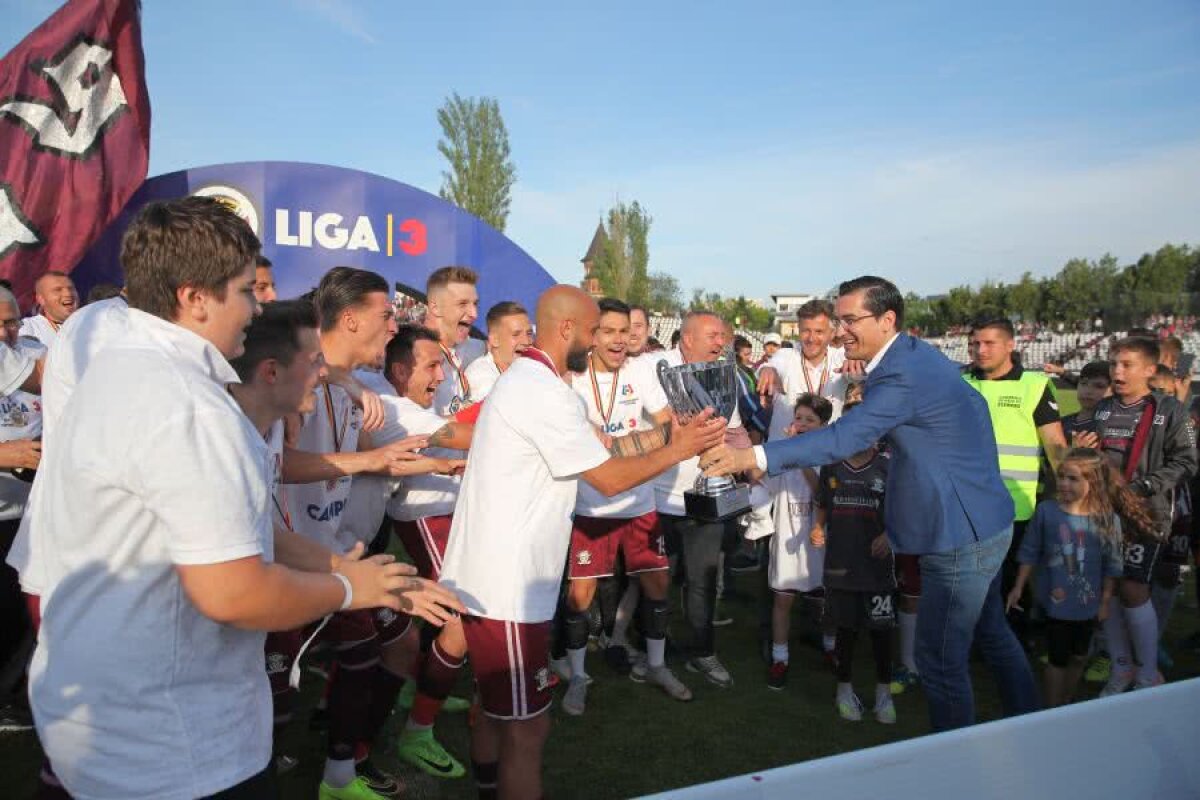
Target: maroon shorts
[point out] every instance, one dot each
(425, 542)
(908, 575)
(595, 543)
(510, 661)
(353, 627)
(282, 649)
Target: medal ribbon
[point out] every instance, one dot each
(338, 436)
(463, 384)
(612, 394)
(824, 374)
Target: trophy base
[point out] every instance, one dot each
(719, 507)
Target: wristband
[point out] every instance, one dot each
(349, 598)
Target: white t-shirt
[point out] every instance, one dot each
(419, 495)
(628, 411)
(796, 564)
(14, 369)
(275, 507)
(454, 393)
(84, 334)
(364, 510)
(20, 418)
(670, 485)
(136, 693)
(41, 328)
(374, 380)
(793, 370)
(316, 508)
(482, 375)
(512, 527)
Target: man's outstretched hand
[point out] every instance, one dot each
(702, 432)
(726, 460)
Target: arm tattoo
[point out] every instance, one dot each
(441, 436)
(642, 442)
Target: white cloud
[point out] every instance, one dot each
(757, 222)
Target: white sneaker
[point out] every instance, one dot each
(663, 678)
(575, 700)
(1118, 682)
(712, 669)
(850, 708)
(885, 710)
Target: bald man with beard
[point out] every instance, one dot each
(512, 528)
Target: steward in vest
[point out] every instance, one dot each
(1025, 417)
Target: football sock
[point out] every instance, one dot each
(385, 689)
(779, 652)
(844, 692)
(1143, 630)
(576, 658)
(1164, 603)
(439, 672)
(881, 648)
(908, 640)
(656, 652)
(1117, 637)
(339, 773)
(828, 641)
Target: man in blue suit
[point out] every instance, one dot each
(946, 501)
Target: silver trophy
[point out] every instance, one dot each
(691, 388)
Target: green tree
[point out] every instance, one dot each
(623, 265)
(475, 143)
(664, 294)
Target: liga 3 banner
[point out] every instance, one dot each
(74, 136)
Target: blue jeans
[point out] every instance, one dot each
(961, 603)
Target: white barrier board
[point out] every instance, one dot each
(1142, 745)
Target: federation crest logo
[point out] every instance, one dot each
(276, 663)
(877, 485)
(235, 200)
(541, 679)
(833, 483)
(584, 558)
(627, 390)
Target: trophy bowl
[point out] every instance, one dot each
(691, 388)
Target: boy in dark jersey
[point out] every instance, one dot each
(1149, 438)
(1095, 384)
(859, 573)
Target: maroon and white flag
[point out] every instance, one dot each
(74, 135)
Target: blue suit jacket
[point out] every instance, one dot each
(944, 488)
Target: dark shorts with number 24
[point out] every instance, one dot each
(860, 610)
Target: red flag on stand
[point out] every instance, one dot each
(74, 135)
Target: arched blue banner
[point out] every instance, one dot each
(311, 217)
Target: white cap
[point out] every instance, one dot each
(772, 338)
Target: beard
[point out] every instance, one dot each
(577, 360)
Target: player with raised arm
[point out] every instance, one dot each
(512, 529)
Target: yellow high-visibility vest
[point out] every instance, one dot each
(1011, 404)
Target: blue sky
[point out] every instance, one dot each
(779, 147)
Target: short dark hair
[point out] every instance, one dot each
(1094, 370)
(263, 262)
(999, 323)
(342, 288)
(1171, 344)
(400, 348)
(739, 342)
(817, 404)
(193, 241)
(505, 308)
(815, 308)
(637, 307)
(1147, 347)
(611, 305)
(879, 296)
(102, 291)
(274, 334)
(443, 277)
(1163, 371)
(675, 337)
